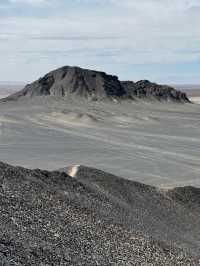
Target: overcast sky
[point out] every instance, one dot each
(134, 39)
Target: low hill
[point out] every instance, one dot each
(95, 85)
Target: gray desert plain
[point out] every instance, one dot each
(121, 184)
(150, 141)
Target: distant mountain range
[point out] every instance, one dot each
(70, 81)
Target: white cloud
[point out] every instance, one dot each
(32, 2)
(152, 4)
(116, 34)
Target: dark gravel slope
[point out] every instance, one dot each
(50, 218)
(172, 216)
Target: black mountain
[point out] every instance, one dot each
(95, 85)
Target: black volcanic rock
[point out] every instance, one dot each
(95, 85)
(74, 81)
(147, 89)
(51, 218)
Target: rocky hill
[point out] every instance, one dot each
(95, 85)
(89, 217)
(146, 89)
(74, 81)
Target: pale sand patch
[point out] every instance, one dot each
(3, 96)
(195, 99)
(4, 119)
(165, 189)
(70, 118)
(73, 171)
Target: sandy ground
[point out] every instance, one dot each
(6, 90)
(154, 143)
(3, 95)
(195, 99)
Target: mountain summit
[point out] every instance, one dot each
(95, 85)
(74, 81)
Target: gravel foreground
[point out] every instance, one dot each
(51, 218)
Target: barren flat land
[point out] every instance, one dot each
(193, 92)
(7, 89)
(150, 142)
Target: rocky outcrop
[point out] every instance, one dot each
(95, 85)
(146, 89)
(90, 218)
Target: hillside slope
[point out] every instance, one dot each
(52, 218)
